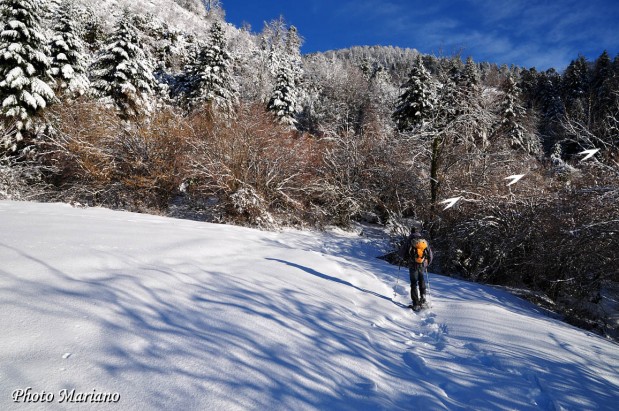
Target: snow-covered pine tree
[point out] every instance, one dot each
(265, 61)
(210, 76)
(68, 66)
(575, 80)
(92, 27)
(47, 9)
(512, 117)
(416, 103)
(284, 98)
(283, 101)
(50, 7)
(24, 67)
(512, 112)
(450, 98)
(273, 43)
(122, 74)
(603, 96)
(292, 51)
(470, 78)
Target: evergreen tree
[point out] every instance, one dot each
(416, 104)
(602, 70)
(93, 32)
(210, 76)
(293, 51)
(512, 118)
(603, 95)
(50, 8)
(267, 59)
(68, 66)
(574, 86)
(273, 43)
(528, 86)
(24, 67)
(470, 78)
(450, 98)
(471, 101)
(283, 101)
(551, 107)
(464, 108)
(121, 73)
(288, 71)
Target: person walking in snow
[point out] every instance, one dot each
(417, 254)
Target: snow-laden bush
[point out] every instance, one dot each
(21, 180)
(248, 204)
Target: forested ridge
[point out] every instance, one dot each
(231, 125)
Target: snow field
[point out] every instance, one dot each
(174, 314)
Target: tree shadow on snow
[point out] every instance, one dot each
(183, 335)
(335, 280)
(210, 341)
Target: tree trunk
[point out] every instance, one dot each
(434, 169)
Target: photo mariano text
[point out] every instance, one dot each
(27, 395)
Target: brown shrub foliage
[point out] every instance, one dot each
(253, 166)
(101, 160)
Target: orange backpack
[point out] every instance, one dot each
(418, 250)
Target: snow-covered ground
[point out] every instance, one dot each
(174, 314)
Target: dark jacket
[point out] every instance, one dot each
(404, 251)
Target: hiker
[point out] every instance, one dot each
(416, 252)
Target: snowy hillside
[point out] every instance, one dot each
(173, 314)
(189, 18)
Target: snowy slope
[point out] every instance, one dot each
(190, 18)
(174, 314)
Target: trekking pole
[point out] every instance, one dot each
(428, 284)
(397, 281)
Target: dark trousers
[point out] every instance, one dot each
(417, 279)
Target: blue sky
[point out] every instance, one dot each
(527, 33)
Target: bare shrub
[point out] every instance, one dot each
(100, 160)
(371, 172)
(562, 242)
(252, 165)
(151, 158)
(21, 180)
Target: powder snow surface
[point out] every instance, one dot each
(174, 314)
